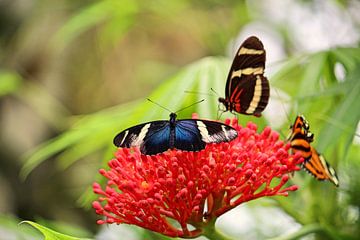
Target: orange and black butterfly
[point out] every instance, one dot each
(314, 163)
(247, 90)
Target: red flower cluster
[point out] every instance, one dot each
(167, 192)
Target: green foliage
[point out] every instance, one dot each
(304, 231)
(117, 16)
(51, 234)
(332, 108)
(51, 110)
(9, 82)
(320, 96)
(9, 227)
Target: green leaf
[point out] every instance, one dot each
(51, 234)
(9, 82)
(117, 16)
(289, 74)
(9, 226)
(211, 75)
(344, 119)
(85, 129)
(349, 57)
(312, 73)
(45, 104)
(304, 231)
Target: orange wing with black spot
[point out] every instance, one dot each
(314, 163)
(320, 168)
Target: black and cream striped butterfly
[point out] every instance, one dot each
(314, 163)
(185, 134)
(247, 90)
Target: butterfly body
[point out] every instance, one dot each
(314, 163)
(186, 134)
(247, 90)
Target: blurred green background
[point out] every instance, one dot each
(75, 73)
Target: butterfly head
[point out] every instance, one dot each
(172, 118)
(300, 126)
(309, 136)
(224, 103)
(304, 122)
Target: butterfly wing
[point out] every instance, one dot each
(192, 134)
(320, 168)
(314, 163)
(247, 90)
(251, 94)
(187, 136)
(299, 144)
(152, 137)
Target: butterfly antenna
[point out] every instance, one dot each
(190, 105)
(214, 92)
(158, 105)
(282, 105)
(202, 93)
(218, 114)
(286, 113)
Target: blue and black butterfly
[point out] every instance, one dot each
(186, 134)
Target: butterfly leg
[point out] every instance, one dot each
(219, 114)
(236, 116)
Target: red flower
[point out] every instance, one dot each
(168, 191)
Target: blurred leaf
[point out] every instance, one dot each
(115, 15)
(122, 17)
(64, 227)
(300, 76)
(10, 82)
(288, 75)
(45, 104)
(304, 231)
(329, 76)
(310, 81)
(211, 76)
(166, 9)
(9, 228)
(84, 129)
(346, 114)
(349, 57)
(51, 234)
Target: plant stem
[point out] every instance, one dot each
(211, 233)
(216, 235)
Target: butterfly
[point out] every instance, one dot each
(185, 134)
(314, 163)
(247, 90)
